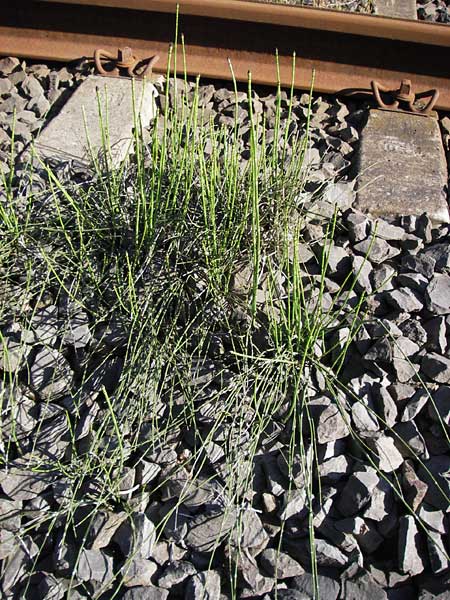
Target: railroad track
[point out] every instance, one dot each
(345, 50)
(225, 365)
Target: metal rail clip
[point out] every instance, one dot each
(404, 99)
(124, 64)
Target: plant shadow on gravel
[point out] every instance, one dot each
(174, 377)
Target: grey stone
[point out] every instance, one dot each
(125, 480)
(16, 566)
(362, 270)
(376, 250)
(328, 555)
(362, 587)
(40, 71)
(18, 77)
(14, 103)
(340, 194)
(207, 530)
(5, 140)
(147, 471)
(50, 588)
(21, 483)
(136, 536)
(410, 552)
(335, 468)
(422, 264)
(106, 374)
(108, 525)
(94, 565)
(330, 425)
(145, 593)
(138, 572)
(39, 105)
(65, 136)
(51, 375)
(31, 86)
(357, 491)
(435, 473)
(269, 503)
(440, 253)
(437, 294)
(9, 64)
(249, 575)
(384, 230)
(413, 331)
(78, 333)
(338, 260)
(415, 405)
(21, 417)
(392, 145)
(279, 565)
(436, 335)
(409, 441)
(363, 419)
(382, 278)
(203, 586)
(22, 133)
(424, 227)
(436, 367)
(437, 552)
(295, 504)
(303, 254)
(330, 450)
(64, 556)
(380, 351)
(428, 595)
(358, 226)
(8, 542)
(50, 441)
(328, 588)
(13, 354)
(404, 368)
(365, 533)
(415, 281)
(249, 533)
(165, 551)
(286, 594)
(386, 455)
(439, 409)
(401, 392)
(386, 407)
(404, 300)
(37, 506)
(322, 506)
(434, 519)
(29, 118)
(381, 502)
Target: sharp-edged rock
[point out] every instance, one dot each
(279, 565)
(138, 572)
(436, 367)
(204, 585)
(410, 550)
(357, 491)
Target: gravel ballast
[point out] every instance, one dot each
(381, 446)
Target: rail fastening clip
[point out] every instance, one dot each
(404, 99)
(123, 64)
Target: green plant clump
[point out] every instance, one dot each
(207, 338)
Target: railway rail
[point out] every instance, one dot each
(345, 50)
(224, 367)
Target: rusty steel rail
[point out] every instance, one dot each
(345, 50)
